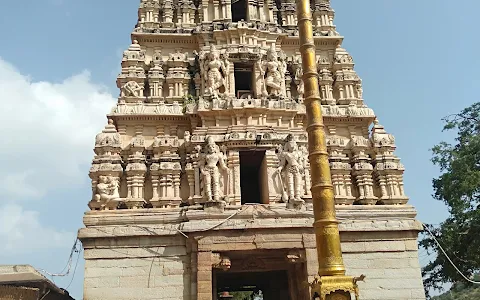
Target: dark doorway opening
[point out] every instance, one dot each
(239, 10)
(252, 176)
(259, 285)
(243, 80)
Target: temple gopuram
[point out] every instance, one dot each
(201, 180)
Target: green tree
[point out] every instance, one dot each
(461, 291)
(458, 187)
(241, 295)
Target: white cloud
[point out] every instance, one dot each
(47, 131)
(47, 135)
(21, 231)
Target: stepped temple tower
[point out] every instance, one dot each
(201, 181)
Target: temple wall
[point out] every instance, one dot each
(142, 270)
(131, 256)
(390, 264)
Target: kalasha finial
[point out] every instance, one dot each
(134, 46)
(110, 122)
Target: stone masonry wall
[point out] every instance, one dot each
(143, 272)
(389, 262)
(388, 259)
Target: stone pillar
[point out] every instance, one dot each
(229, 10)
(274, 189)
(216, 10)
(176, 184)
(233, 164)
(261, 11)
(191, 183)
(204, 275)
(312, 264)
(155, 177)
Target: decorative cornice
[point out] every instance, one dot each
(167, 222)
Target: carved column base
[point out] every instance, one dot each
(296, 204)
(110, 205)
(214, 206)
(344, 200)
(94, 205)
(198, 199)
(155, 99)
(367, 201)
(166, 203)
(307, 198)
(395, 201)
(167, 24)
(133, 203)
(335, 287)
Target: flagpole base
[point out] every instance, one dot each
(338, 287)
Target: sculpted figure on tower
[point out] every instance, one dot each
(298, 73)
(210, 161)
(273, 72)
(107, 191)
(214, 70)
(291, 171)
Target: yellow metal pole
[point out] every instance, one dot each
(332, 282)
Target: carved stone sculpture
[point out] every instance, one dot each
(210, 161)
(291, 167)
(107, 190)
(214, 71)
(131, 89)
(106, 168)
(273, 74)
(298, 69)
(306, 170)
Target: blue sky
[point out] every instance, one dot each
(58, 63)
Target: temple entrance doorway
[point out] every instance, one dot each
(253, 285)
(253, 185)
(261, 275)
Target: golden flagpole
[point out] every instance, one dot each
(331, 283)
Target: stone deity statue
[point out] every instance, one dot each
(210, 161)
(292, 168)
(214, 71)
(298, 77)
(107, 190)
(273, 74)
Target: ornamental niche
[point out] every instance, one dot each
(272, 72)
(211, 162)
(292, 171)
(215, 72)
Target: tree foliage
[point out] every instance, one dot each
(241, 295)
(458, 187)
(461, 291)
